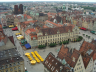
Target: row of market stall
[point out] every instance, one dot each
(36, 56)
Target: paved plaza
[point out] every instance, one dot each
(38, 67)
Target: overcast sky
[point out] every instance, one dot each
(48, 0)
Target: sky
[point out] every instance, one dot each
(47, 0)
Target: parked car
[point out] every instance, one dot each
(82, 28)
(4, 27)
(94, 32)
(11, 26)
(18, 34)
(20, 37)
(13, 29)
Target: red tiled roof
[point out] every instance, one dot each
(49, 13)
(32, 21)
(58, 25)
(3, 12)
(64, 53)
(51, 31)
(0, 26)
(33, 35)
(86, 60)
(29, 17)
(70, 25)
(50, 59)
(28, 31)
(94, 55)
(86, 46)
(45, 26)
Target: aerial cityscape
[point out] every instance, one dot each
(47, 36)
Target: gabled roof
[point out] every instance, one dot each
(86, 46)
(64, 53)
(58, 25)
(44, 26)
(94, 55)
(11, 39)
(32, 21)
(51, 31)
(50, 59)
(28, 31)
(86, 60)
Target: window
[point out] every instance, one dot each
(10, 65)
(19, 67)
(75, 69)
(52, 68)
(15, 68)
(2, 67)
(6, 66)
(6, 70)
(49, 65)
(46, 62)
(14, 64)
(11, 69)
(56, 71)
(81, 66)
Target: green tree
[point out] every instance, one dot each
(41, 46)
(52, 44)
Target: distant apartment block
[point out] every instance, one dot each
(11, 61)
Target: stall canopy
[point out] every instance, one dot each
(27, 46)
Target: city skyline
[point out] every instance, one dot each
(49, 0)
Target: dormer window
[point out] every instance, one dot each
(49, 57)
(46, 62)
(49, 65)
(52, 68)
(73, 59)
(56, 63)
(46, 34)
(58, 31)
(52, 60)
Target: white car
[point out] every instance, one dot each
(19, 35)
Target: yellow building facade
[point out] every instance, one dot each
(57, 37)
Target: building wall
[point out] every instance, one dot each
(16, 21)
(16, 67)
(33, 43)
(74, 22)
(85, 24)
(94, 26)
(57, 38)
(90, 26)
(79, 67)
(10, 20)
(94, 66)
(89, 67)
